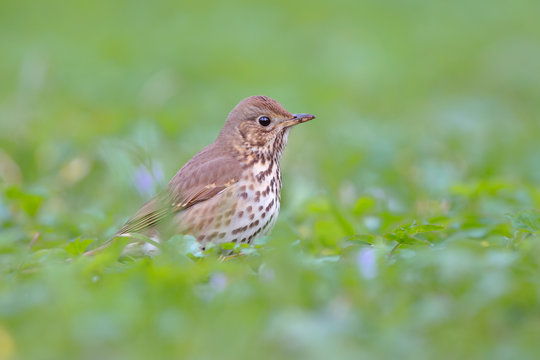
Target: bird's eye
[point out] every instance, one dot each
(264, 120)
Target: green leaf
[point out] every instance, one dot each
(78, 246)
(406, 234)
(426, 228)
(27, 201)
(228, 245)
(363, 205)
(328, 232)
(526, 220)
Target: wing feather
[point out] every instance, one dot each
(196, 182)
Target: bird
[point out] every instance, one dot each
(231, 190)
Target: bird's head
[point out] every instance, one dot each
(258, 121)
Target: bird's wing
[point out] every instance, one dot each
(154, 211)
(191, 185)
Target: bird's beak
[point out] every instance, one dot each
(297, 119)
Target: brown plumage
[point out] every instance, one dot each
(230, 191)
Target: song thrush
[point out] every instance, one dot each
(231, 190)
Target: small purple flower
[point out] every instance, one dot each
(218, 282)
(367, 263)
(146, 181)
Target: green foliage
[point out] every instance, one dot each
(28, 202)
(526, 220)
(410, 223)
(78, 246)
(407, 234)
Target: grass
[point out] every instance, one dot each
(409, 224)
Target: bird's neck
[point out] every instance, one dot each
(273, 149)
(249, 154)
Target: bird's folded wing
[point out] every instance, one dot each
(191, 185)
(154, 211)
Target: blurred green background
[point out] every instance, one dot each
(408, 225)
